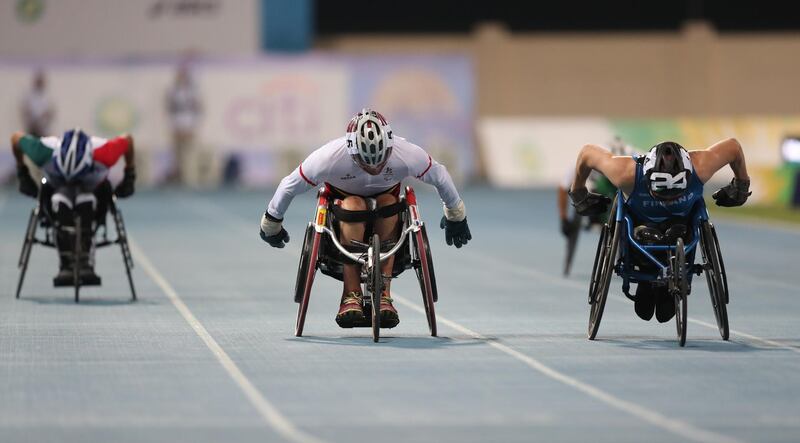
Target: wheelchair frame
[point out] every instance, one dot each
(615, 253)
(41, 218)
(321, 236)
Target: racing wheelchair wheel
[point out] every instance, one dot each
(604, 261)
(375, 286)
(76, 278)
(27, 246)
(572, 242)
(680, 290)
(426, 277)
(305, 276)
(715, 277)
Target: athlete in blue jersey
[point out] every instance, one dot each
(661, 189)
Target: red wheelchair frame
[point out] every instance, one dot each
(322, 250)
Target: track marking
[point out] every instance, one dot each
(677, 427)
(265, 408)
(503, 265)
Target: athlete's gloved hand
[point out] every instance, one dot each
(734, 193)
(26, 184)
(454, 223)
(272, 231)
(126, 188)
(456, 233)
(589, 203)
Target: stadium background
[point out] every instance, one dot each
(505, 93)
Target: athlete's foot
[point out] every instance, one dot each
(88, 276)
(64, 277)
(645, 301)
(350, 310)
(389, 317)
(665, 306)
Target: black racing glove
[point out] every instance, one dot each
(275, 240)
(126, 188)
(734, 193)
(455, 232)
(589, 203)
(26, 184)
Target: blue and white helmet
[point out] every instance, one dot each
(75, 156)
(668, 169)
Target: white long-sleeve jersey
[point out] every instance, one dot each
(332, 164)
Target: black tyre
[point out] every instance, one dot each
(376, 283)
(680, 290)
(76, 278)
(302, 267)
(122, 239)
(605, 260)
(572, 242)
(27, 246)
(424, 269)
(717, 289)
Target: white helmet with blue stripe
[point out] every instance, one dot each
(75, 155)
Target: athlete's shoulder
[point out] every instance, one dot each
(324, 157)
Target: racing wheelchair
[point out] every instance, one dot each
(641, 254)
(322, 250)
(43, 229)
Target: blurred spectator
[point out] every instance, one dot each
(185, 109)
(37, 109)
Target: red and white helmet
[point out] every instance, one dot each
(369, 140)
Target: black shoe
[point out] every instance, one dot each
(665, 306)
(645, 303)
(64, 278)
(88, 276)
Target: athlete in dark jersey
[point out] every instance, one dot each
(661, 188)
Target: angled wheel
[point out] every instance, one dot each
(76, 278)
(27, 246)
(302, 267)
(605, 259)
(426, 277)
(572, 242)
(375, 286)
(713, 268)
(680, 290)
(307, 272)
(122, 239)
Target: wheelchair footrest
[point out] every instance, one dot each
(64, 284)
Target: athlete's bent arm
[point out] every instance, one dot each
(621, 171)
(726, 152)
(454, 221)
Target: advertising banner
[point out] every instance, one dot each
(529, 152)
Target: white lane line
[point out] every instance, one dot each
(677, 427)
(500, 264)
(265, 408)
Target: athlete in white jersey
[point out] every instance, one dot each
(369, 161)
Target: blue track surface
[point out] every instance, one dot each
(208, 353)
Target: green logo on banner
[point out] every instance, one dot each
(29, 11)
(115, 115)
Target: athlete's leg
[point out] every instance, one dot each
(350, 312)
(85, 205)
(387, 229)
(352, 231)
(61, 208)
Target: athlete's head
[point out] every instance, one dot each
(369, 140)
(75, 155)
(667, 168)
